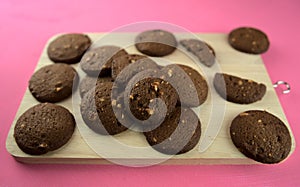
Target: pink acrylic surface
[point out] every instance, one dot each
(25, 26)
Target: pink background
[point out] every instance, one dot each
(25, 26)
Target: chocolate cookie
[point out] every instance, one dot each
(238, 90)
(190, 85)
(179, 133)
(121, 62)
(88, 83)
(44, 127)
(132, 69)
(261, 136)
(249, 40)
(53, 83)
(156, 43)
(97, 111)
(98, 61)
(150, 97)
(68, 48)
(201, 50)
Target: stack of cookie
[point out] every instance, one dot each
(46, 126)
(122, 91)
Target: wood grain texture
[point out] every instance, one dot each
(220, 151)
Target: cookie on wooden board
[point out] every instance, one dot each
(192, 88)
(88, 83)
(97, 111)
(156, 43)
(53, 83)
(98, 61)
(121, 62)
(68, 48)
(249, 40)
(44, 127)
(132, 69)
(238, 90)
(261, 136)
(204, 52)
(179, 133)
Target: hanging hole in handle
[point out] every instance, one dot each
(287, 85)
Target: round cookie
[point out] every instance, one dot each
(68, 48)
(156, 43)
(238, 90)
(88, 83)
(97, 111)
(98, 61)
(44, 127)
(150, 98)
(249, 40)
(261, 136)
(204, 52)
(179, 133)
(53, 83)
(192, 87)
(121, 62)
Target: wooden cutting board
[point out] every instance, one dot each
(215, 145)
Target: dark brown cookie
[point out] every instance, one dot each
(201, 50)
(211, 50)
(156, 42)
(88, 83)
(249, 40)
(68, 48)
(261, 136)
(121, 62)
(190, 85)
(98, 61)
(53, 83)
(44, 127)
(97, 111)
(132, 69)
(238, 90)
(179, 133)
(150, 97)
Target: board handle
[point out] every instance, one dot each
(287, 85)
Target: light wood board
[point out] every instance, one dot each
(220, 151)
